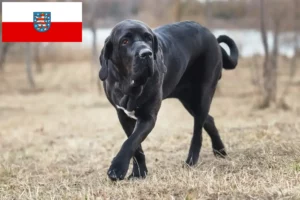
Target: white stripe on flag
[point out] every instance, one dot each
(23, 11)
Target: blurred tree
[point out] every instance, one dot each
(4, 47)
(208, 19)
(276, 11)
(28, 55)
(93, 26)
(226, 10)
(95, 54)
(181, 8)
(208, 13)
(134, 7)
(296, 43)
(266, 66)
(37, 57)
(178, 10)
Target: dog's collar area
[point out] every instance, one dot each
(130, 114)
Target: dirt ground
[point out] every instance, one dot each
(58, 141)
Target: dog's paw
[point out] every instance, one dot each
(138, 172)
(117, 170)
(192, 159)
(220, 153)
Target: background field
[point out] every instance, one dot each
(57, 141)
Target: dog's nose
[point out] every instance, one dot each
(144, 53)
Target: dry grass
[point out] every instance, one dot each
(57, 142)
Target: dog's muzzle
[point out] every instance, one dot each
(145, 53)
(143, 67)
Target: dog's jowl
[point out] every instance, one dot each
(140, 67)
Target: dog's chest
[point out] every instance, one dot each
(130, 114)
(125, 103)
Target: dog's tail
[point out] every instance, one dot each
(229, 62)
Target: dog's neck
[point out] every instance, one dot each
(130, 103)
(130, 114)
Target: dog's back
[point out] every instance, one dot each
(183, 43)
(186, 38)
(191, 39)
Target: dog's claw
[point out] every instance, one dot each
(220, 153)
(117, 170)
(134, 176)
(113, 176)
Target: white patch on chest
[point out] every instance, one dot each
(128, 113)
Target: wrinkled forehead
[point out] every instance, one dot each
(129, 27)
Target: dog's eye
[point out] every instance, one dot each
(148, 37)
(125, 41)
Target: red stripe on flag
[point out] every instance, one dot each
(25, 32)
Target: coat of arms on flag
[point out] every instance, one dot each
(41, 21)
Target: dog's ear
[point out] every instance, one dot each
(105, 55)
(158, 55)
(155, 46)
(160, 61)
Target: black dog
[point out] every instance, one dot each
(141, 67)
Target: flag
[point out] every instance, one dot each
(41, 21)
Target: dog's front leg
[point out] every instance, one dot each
(139, 169)
(120, 163)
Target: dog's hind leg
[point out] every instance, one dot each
(210, 128)
(200, 103)
(217, 144)
(139, 160)
(197, 98)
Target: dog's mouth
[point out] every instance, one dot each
(142, 72)
(139, 80)
(133, 87)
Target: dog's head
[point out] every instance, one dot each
(132, 48)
